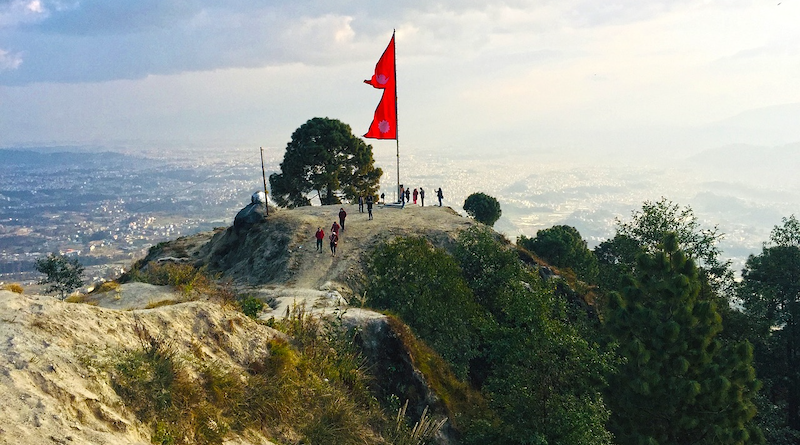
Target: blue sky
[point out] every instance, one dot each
(578, 76)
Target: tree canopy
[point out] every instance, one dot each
(645, 232)
(678, 384)
(61, 273)
(483, 208)
(324, 157)
(563, 246)
(770, 292)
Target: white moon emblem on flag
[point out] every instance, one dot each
(382, 79)
(384, 126)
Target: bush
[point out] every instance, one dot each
(483, 208)
(13, 287)
(186, 278)
(251, 306)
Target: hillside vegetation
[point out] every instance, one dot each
(425, 327)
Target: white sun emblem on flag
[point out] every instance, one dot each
(382, 79)
(384, 126)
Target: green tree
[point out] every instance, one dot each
(541, 377)
(483, 208)
(649, 225)
(770, 292)
(324, 157)
(679, 384)
(563, 246)
(424, 286)
(61, 273)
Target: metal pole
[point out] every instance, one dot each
(396, 117)
(264, 177)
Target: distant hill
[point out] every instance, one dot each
(769, 166)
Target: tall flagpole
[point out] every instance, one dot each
(264, 177)
(397, 119)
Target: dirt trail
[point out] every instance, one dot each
(312, 269)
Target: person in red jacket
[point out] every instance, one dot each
(320, 235)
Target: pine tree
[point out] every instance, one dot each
(61, 273)
(679, 384)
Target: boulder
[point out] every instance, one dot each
(252, 213)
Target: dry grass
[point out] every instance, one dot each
(314, 388)
(14, 287)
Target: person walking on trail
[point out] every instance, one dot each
(342, 216)
(439, 195)
(320, 235)
(334, 242)
(369, 206)
(408, 195)
(360, 203)
(335, 227)
(422, 196)
(416, 194)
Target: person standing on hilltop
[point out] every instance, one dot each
(422, 196)
(416, 194)
(369, 206)
(334, 242)
(342, 216)
(383, 198)
(408, 195)
(360, 203)
(439, 195)
(402, 197)
(320, 235)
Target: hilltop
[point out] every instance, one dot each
(277, 257)
(58, 357)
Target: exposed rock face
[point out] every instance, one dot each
(52, 382)
(253, 213)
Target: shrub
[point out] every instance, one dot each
(13, 287)
(186, 278)
(483, 208)
(251, 306)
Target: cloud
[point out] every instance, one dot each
(9, 61)
(99, 40)
(16, 12)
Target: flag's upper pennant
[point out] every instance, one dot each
(384, 69)
(384, 124)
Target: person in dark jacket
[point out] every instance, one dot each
(342, 216)
(334, 242)
(369, 206)
(439, 195)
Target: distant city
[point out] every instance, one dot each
(107, 207)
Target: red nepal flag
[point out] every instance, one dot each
(384, 70)
(384, 124)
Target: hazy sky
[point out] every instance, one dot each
(541, 76)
